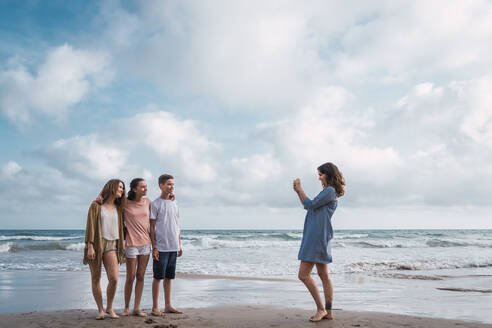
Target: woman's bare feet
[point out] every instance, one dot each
(170, 309)
(329, 315)
(100, 316)
(320, 314)
(156, 313)
(139, 313)
(112, 314)
(125, 312)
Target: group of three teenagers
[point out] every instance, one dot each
(129, 229)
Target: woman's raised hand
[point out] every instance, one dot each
(297, 184)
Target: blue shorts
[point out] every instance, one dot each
(166, 266)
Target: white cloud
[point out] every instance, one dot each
(421, 93)
(88, 156)
(251, 59)
(65, 77)
(42, 197)
(231, 53)
(257, 168)
(417, 38)
(10, 169)
(178, 144)
(443, 135)
(459, 109)
(476, 98)
(321, 131)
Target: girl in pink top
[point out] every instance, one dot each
(138, 245)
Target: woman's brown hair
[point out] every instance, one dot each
(109, 191)
(334, 177)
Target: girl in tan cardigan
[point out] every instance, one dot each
(104, 242)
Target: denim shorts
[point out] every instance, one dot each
(132, 252)
(166, 266)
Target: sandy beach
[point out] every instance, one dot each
(228, 316)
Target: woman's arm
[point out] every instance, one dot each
(90, 231)
(326, 196)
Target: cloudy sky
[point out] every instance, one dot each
(238, 98)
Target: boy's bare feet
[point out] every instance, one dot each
(112, 314)
(170, 309)
(329, 315)
(156, 313)
(100, 316)
(139, 313)
(125, 313)
(320, 314)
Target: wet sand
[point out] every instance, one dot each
(228, 316)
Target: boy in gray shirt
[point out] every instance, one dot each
(165, 234)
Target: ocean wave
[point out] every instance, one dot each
(15, 247)
(263, 236)
(417, 243)
(204, 243)
(351, 236)
(413, 265)
(448, 243)
(6, 247)
(75, 247)
(38, 238)
(381, 244)
(56, 267)
(408, 276)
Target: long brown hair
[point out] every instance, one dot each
(109, 191)
(133, 185)
(334, 177)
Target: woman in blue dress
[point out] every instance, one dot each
(317, 234)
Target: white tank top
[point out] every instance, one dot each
(109, 224)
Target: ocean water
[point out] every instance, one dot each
(271, 254)
(444, 273)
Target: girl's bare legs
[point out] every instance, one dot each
(327, 288)
(111, 265)
(142, 265)
(96, 287)
(305, 276)
(130, 277)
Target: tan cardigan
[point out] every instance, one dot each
(93, 234)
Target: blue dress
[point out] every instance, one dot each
(317, 233)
